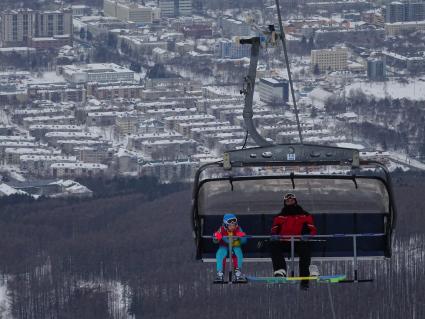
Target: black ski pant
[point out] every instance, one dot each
(279, 249)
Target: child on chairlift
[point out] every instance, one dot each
(229, 227)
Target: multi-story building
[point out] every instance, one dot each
(40, 130)
(52, 23)
(53, 137)
(329, 59)
(52, 120)
(405, 11)
(129, 12)
(77, 169)
(96, 72)
(232, 27)
(39, 165)
(126, 124)
(12, 155)
(79, 10)
(274, 90)
(57, 92)
(111, 91)
(136, 142)
(22, 27)
(169, 171)
(392, 29)
(376, 69)
(17, 27)
(93, 154)
(227, 49)
(175, 8)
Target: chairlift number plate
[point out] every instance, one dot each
(290, 157)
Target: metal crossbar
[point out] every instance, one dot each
(297, 238)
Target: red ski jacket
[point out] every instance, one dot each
(293, 224)
(219, 235)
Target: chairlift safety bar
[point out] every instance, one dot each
(299, 237)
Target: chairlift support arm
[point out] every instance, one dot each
(248, 91)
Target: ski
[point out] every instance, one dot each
(225, 282)
(282, 280)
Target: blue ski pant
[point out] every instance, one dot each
(222, 253)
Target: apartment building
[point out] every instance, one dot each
(24, 26)
(39, 165)
(175, 8)
(77, 169)
(130, 12)
(329, 59)
(274, 90)
(96, 72)
(392, 29)
(17, 27)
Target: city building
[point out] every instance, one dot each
(17, 27)
(40, 130)
(126, 124)
(392, 29)
(103, 91)
(231, 27)
(329, 59)
(376, 69)
(129, 12)
(22, 27)
(39, 165)
(53, 23)
(64, 169)
(57, 92)
(96, 72)
(404, 11)
(274, 90)
(175, 8)
(169, 171)
(80, 10)
(228, 49)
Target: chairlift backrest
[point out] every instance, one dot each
(339, 203)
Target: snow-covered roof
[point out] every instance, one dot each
(79, 165)
(9, 190)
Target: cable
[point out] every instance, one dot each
(246, 138)
(289, 70)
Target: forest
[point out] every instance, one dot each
(131, 255)
(394, 124)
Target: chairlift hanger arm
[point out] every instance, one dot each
(248, 91)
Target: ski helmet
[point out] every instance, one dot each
(229, 219)
(289, 196)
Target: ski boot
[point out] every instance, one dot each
(280, 273)
(219, 279)
(314, 271)
(239, 277)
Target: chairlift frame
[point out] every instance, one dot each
(289, 155)
(301, 156)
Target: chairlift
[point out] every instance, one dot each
(352, 206)
(351, 200)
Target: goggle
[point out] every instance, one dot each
(231, 221)
(289, 196)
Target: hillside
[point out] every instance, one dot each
(67, 260)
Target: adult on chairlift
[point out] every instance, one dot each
(293, 220)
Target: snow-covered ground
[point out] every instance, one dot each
(48, 77)
(414, 90)
(351, 145)
(4, 304)
(402, 158)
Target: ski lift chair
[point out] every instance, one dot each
(350, 200)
